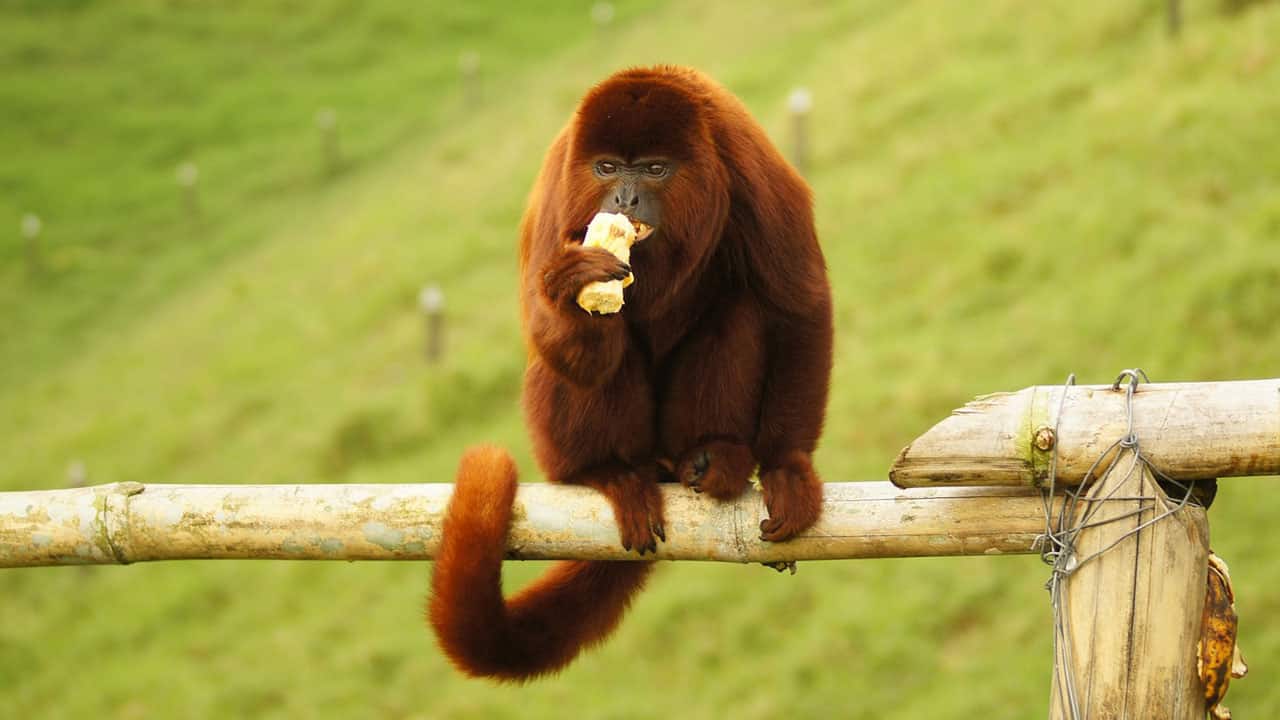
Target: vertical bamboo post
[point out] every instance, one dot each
(1133, 613)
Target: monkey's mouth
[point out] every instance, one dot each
(643, 229)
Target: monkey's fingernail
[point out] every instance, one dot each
(660, 532)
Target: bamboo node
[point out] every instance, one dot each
(1045, 438)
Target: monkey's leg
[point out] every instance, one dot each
(635, 498)
(711, 404)
(585, 349)
(603, 438)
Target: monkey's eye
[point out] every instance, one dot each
(656, 170)
(606, 168)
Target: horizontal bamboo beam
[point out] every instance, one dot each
(1189, 431)
(130, 522)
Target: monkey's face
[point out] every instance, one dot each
(643, 148)
(634, 189)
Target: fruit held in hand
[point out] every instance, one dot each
(615, 233)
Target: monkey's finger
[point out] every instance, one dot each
(599, 274)
(648, 544)
(657, 520)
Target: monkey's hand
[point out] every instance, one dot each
(720, 468)
(792, 495)
(577, 267)
(615, 233)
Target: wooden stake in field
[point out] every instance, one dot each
(31, 227)
(327, 123)
(800, 103)
(602, 14)
(1173, 17)
(188, 177)
(469, 72)
(431, 301)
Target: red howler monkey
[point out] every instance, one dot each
(719, 361)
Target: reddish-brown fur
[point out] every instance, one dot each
(718, 362)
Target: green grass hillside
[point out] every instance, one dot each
(1006, 192)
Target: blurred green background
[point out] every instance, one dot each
(1006, 192)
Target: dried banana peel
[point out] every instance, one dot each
(615, 233)
(1219, 656)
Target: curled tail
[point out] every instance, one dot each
(542, 628)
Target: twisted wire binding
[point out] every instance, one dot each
(1057, 544)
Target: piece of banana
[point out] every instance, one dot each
(615, 233)
(1219, 655)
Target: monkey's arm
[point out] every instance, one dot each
(796, 385)
(791, 415)
(584, 348)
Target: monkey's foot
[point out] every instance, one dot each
(793, 497)
(637, 505)
(720, 468)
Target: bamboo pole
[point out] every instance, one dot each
(1190, 431)
(130, 522)
(1133, 613)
